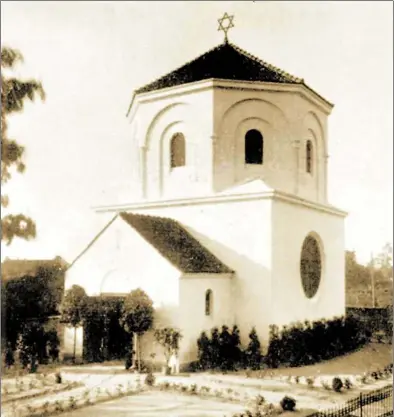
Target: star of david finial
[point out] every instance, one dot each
(225, 24)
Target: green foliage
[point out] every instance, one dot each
(27, 304)
(337, 384)
(137, 313)
(150, 379)
(359, 279)
(253, 351)
(74, 306)
(14, 93)
(318, 341)
(29, 344)
(137, 317)
(288, 403)
(203, 343)
(169, 339)
(53, 344)
(30, 298)
(221, 351)
(104, 337)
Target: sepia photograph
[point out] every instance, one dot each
(197, 208)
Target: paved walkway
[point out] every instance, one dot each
(156, 404)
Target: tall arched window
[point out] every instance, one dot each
(208, 302)
(309, 156)
(178, 150)
(254, 145)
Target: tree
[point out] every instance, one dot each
(253, 351)
(225, 349)
(73, 309)
(235, 352)
(169, 339)
(137, 317)
(384, 260)
(14, 93)
(203, 346)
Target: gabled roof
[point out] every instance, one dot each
(175, 243)
(226, 61)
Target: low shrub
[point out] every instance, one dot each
(337, 384)
(347, 383)
(58, 378)
(260, 400)
(310, 381)
(193, 389)
(288, 403)
(317, 341)
(72, 403)
(58, 406)
(150, 379)
(128, 362)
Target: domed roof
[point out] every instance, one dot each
(226, 61)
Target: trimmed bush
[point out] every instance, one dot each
(348, 384)
(150, 379)
(320, 340)
(337, 384)
(219, 351)
(288, 403)
(253, 351)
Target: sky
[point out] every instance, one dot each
(90, 56)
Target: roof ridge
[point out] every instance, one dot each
(267, 64)
(180, 67)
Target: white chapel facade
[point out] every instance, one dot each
(232, 224)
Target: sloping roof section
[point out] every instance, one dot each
(175, 243)
(226, 61)
(17, 268)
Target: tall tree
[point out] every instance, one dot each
(137, 317)
(14, 93)
(73, 309)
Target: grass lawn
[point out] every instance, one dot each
(17, 371)
(368, 358)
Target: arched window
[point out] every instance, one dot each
(178, 150)
(254, 145)
(309, 156)
(208, 302)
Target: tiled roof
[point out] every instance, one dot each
(175, 243)
(16, 268)
(226, 61)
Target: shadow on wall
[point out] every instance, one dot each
(151, 351)
(250, 279)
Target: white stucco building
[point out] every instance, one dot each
(232, 225)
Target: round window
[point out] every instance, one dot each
(310, 266)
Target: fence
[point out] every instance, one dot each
(378, 403)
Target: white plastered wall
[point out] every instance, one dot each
(193, 320)
(286, 120)
(154, 124)
(119, 261)
(239, 234)
(291, 224)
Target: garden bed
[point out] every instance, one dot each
(75, 399)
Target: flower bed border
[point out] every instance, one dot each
(47, 390)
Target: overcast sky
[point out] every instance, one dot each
(90, 56)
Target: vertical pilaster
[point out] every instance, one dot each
(297, 145)
(143, 173)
